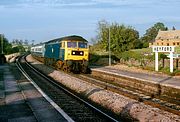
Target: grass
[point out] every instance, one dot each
(177, 50)
(138, 54)
(146, 53)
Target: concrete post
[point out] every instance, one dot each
(156, 61)
(171, 61)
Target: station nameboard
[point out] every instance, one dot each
(163, 48)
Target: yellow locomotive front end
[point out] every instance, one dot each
(77, 51)
(76, 55)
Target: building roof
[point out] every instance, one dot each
(170, 34)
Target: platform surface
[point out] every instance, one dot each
(21, 102)
(161, 79)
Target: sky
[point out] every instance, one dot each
(42, 20)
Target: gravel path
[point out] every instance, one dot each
(125, 107)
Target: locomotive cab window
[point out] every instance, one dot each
(62, 44)
(72, 44)
(82, 45)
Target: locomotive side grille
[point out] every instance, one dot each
(81, 53)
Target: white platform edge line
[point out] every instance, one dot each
(49, 99)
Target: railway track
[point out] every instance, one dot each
(77, 108)
(139, 95)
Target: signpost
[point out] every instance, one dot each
(169, 49)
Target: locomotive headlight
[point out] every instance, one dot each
(73, 53)
(81, 53)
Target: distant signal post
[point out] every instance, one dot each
(169, 49)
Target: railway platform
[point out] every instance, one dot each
(147, 77)
(154, 83)
(21, 101)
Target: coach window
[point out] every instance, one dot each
(177, 43)
(167, 44)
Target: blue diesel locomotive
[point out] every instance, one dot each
(69, 53)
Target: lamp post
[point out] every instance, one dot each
(109, 46)
(2, 43)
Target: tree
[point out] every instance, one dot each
(152, 32)
(26, 42)
(21, 42)
(173, 28)
(102, 31)
(7, 47)
(32, 42)
(122, 38)
(16, 41)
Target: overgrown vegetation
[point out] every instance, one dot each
(136, 54)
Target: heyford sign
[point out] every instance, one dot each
(158, 49)
(163, 48)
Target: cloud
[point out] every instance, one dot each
(85, 3)
(69, 3)
(46, 3)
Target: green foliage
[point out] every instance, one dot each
(137, 54)
(163, 56)
(139, 44)
(6, 45)
(177, 50)
(9, 49)
(93, 58)
(97, 49)
(152, 32)
(122, 38)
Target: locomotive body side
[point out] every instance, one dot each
(51, 54)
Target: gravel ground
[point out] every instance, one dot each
(121, 105)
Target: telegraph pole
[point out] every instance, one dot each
(109, 46)
(2, 44)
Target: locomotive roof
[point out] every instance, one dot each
(73, 37)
